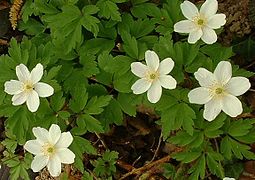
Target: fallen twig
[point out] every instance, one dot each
(146, 167)
(156, 151)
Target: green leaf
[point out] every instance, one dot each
(87, 176)
(66, 27)
(230, 146)
(105, 62)
(89, 64)
(223, 53)
(109, 10)
(225, 148)
(130, 45)
(10, 144)
(105, 166)
(214, 166)
(18, 124)
(134, 2)
(146, 9)
(245, 48)
(46, 8)
(169, 170)
(128, 103)
(180, 115)
(18, 54)
(112, 114)
(234, 169)
(52, 73)
(18, 168)
(57, 101)
(97, 46)
(182, 138)
(85, 123)
(187, 157)
(80, 146)
(212, 129)
(96, 104)
(88, 21)
(240, 127)
(32, 27)
(241, 72)
(198, 169)
(79, 99)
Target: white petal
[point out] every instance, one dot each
(231, 105)
(43, 89)
(205, 78)
(13, 87)
(41, 134)
(65, 140)
(154, 93)
(37, 73)
(223, 72)
(54, 166)
(139, 69)
(238, 86)
(189, 10)
(194, 36)
(212, 109)
(166, 66)
(19, 99)
(33, 101)
(22, 73)
(209, 8)
(216, 21)
(39, 162)
(200, 95)
(185, 26)
(33, 146)
(152, 60)
(54, 133)
(140, 86)
(66, 156)
(167, 81)
(209, 35)
(227, 178)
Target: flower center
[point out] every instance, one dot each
(28, 87)
(48, 149)
(200, 22)
(219, 90)
(153, 76)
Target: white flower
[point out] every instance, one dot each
(28, 88)
(153, 76)
(200, 24)
(227, 178)
(50, 149)
(218, 91)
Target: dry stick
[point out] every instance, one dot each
(245, 115)
(156, 151)
(252, 90)
(137, 171)
(3, 42)
(101, 140)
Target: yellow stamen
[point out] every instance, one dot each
(48, 149)
(219, 91)
(200, 22)
(153, 76)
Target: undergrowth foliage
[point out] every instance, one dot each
(86, 48)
